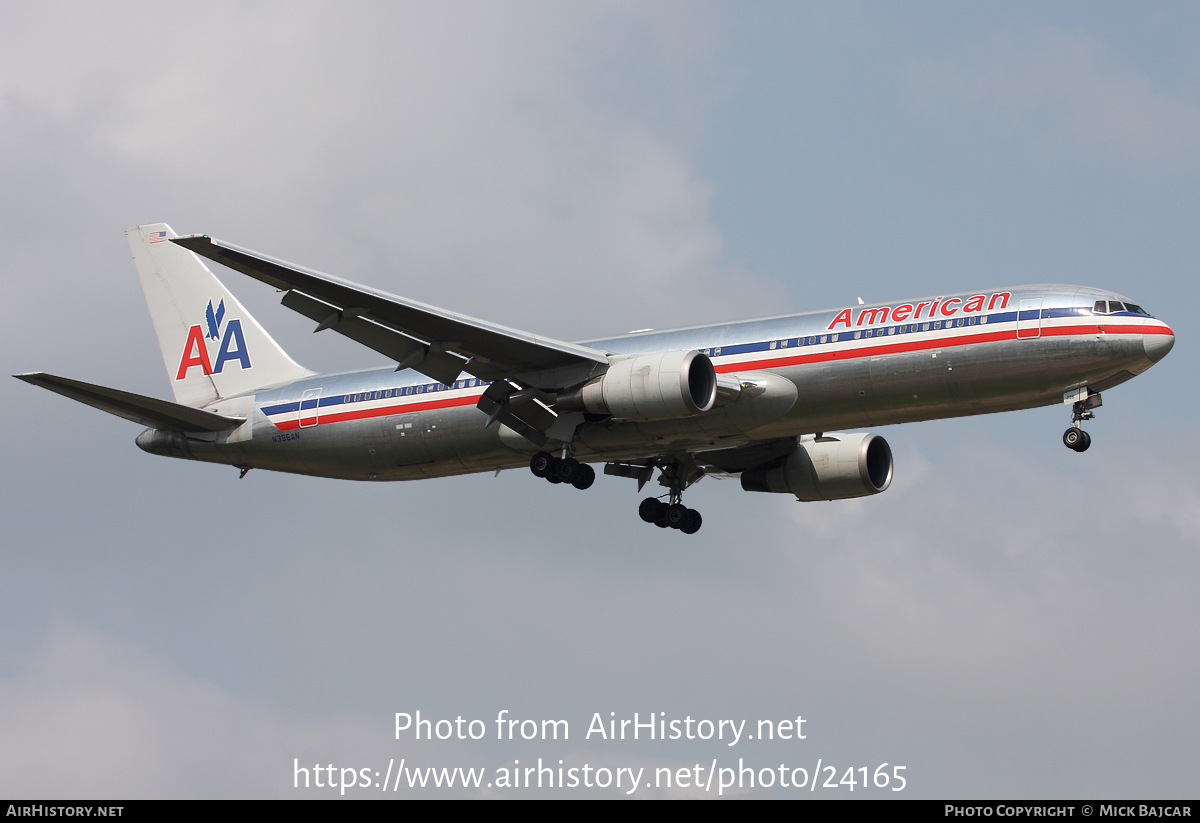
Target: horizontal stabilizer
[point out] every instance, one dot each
(149, 411)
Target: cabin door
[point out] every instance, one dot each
(1029, 317)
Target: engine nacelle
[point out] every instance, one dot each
(830, 467)
(660, 385)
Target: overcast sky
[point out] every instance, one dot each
(1010, 619)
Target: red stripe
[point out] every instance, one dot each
(383, 411)
(920, 345)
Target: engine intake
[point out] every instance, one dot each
(831, 467)
(656, 386)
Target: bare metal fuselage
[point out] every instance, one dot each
(815, 372)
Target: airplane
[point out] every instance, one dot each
(766, 399)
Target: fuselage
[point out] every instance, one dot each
(860, 366)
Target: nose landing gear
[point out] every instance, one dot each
(1075, 438)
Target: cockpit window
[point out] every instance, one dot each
(1113, 306)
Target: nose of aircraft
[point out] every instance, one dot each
(1157, 340)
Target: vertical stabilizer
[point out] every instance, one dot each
(210, 344)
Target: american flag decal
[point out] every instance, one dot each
(158, 236)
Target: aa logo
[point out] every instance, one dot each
(195, 350)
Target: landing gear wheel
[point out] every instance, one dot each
(567, 470)
(541, 463)
(1073, 438)
(691, 523)
(649, 509)
(676, 515)
(1084, 442)
(585, 478)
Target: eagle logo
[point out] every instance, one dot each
(214, 320)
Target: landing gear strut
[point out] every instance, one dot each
(1075, 438)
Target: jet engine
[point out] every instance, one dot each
(657, 386)
(829, 467)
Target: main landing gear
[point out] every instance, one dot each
(562, 470)
(672, 514)
(677, 475)
(1075, 438)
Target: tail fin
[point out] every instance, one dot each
(210, 344)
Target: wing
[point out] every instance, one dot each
(433, 341)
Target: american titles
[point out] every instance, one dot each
(908, 311)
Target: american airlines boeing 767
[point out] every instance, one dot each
(766, 399)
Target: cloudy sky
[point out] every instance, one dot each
(1009, 619)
